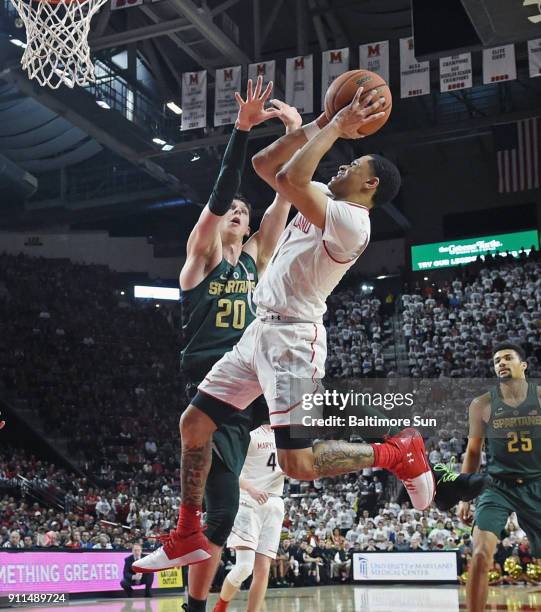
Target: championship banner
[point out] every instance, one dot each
(499, 64)
(265, 69)
(194, 100)
(455, 72)
(534, 57)
(228, 81)
(333, 64)
(300, 83)
(414, 75)
(375, 57)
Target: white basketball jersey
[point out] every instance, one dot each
(308, 262)
(261, 467)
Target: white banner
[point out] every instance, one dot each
(194, 100)
(120, 4)
(534, 57)
(228, 81)
(375, 57)
(402, 567)
(422, 599)
(455, 72)
(265, 69)
(499, 64)
(300, 83)
(414, 75)
(333, 64)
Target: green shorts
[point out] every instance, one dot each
(500, 499)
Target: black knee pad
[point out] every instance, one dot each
(219, 524)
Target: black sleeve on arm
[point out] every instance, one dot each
(228, 181)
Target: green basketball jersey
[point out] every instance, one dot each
(214, 317)
(513, 436)
(215, 314)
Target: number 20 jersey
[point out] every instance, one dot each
(261, 467)
(215, 314)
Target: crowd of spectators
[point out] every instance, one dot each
(101, 370)
(450, 327)
(50, 506)
(325, 522)
(357, 334)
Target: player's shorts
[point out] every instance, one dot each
(258, 527)
(284, 361)
(500, 499)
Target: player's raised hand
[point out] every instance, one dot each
(357, 113)
(289, 115)
(252, 110)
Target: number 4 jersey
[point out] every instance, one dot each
(513, 436)
(215, 314)
(261, 467)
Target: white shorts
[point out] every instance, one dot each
(282, 361)
(258, 527)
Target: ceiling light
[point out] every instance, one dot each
(195, 157)
(17, 42)
(174, 107)
(159, 141)
(168, 147)
(103, 104)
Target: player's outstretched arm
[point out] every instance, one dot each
(262, 244)
(293, 181)
(204, 248)
(269, 161)
(479, 413)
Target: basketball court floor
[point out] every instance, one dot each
(336, 599)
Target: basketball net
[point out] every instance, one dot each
(57, 50)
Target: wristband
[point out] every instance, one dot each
(311, 130)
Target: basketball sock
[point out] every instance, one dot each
(221, 605)
(196, 605)
(386, 455)
(189, 519)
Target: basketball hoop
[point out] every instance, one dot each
(57, 50)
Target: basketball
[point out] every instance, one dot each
(344, 87)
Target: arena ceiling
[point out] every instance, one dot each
(71, 137)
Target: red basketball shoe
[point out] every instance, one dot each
(413, 468)
(177, 550)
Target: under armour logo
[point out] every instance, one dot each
(410, 457)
